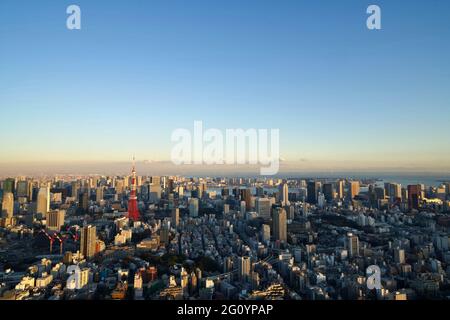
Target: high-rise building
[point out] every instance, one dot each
(99, 194)
(259, 191)
(393, 190)
(43, 200)
(284, 194)
(8, 205)
(352, 244)
(9, 185)
(88, 241)
(175, 217)
(328, 191)
(312, 191)
(280, 225)
(263, 207)
(246, 195)
(83, 201)
(379, 193)
(24, 189)
(353, 189)
(156, 181)
(414, 196)
(55, 219)
(399, 255)
(340, 189)
(244, 268)
(75, 188)
(265, 232)
(193, 207)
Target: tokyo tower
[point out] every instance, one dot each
(133, 211)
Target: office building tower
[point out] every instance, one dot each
(352, 244)
(75, 189)
(24, 189)
(414, 196)
(259, 191)
(246, 195)
(8, 205)
(164, 234)
(280, 225)
(263, 208)
(9, 185)
(328, 191)
(393, 190)
(353, 189)
(193, 207)
(99, 194)
(55, 219)
(321, 200)
(83, 201)
(43, 201)
(243, 209)
(312, 191)
(226, 208)
(265, 233)
(156, 181)
(88, 241)
(244, 268)
(340, 189)
(175, 217)
(225, 192)
(399, 255)
(284, 194)
(202, 188)
(379, 193)
(193, 284)
(184, 281)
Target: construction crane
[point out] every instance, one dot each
(61, 240)
(73, 232)
(50, 238)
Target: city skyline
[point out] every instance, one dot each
(344, 98)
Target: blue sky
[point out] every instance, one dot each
(140, 69)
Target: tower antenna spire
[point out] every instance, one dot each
(133, 210)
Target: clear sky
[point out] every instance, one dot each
(137, 70)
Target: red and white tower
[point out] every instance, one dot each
(133, 211)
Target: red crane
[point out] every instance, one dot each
(61, 240)
(50, 238)
(73, 232)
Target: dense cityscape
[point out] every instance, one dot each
(216, 238)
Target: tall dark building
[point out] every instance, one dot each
(225, 192)
(246, 195)
(170, 186)
(313, 191)
(328, 191)
(414, 195)
(83, 200)
(9, 185)
(24, 189)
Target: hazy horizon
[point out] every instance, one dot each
(167, 168)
